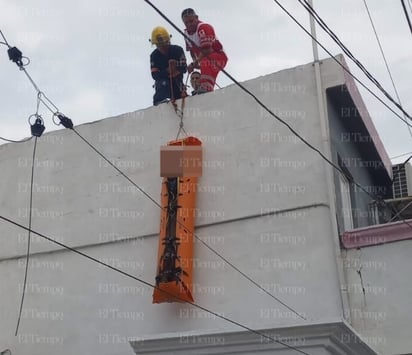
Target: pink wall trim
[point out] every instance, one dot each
(378, 234)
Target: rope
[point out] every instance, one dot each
(179, 112)
(171, 83)
(28, 238)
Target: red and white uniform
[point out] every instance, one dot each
(210, 65)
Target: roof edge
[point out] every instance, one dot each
(364, 115)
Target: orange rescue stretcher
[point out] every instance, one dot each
(175, 249)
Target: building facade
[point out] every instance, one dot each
(267, 205)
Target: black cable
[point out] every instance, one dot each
(151, 285)
(180, 223)
(336, 167)
(117, 169)
(401, 155)
(246, 90)
(327, 29)
(28, 237)
(384, 57)
(250, 279)
(399, 213)
(4, 38)
(40, 94)
(270, 111)
(68, 124)
(20, 64)
(13, 141)
(340, 64)
(282, 121)
(378, 198)
(255, 98)
(261, 104)
(390, 206)
(406, 15)
(335, 38)
(399, 170)
(32, 81)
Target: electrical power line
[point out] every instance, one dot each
(151, 285)
(259, 102)
(410, 5)
(398, 171)
(282, 121)
(4, 38)
(263, 105)
(66, 122)
(401, 155)
(180, 223)
(384, 59)
(233, 79)
(324, 48)
(340, 64)
(126, 177)
(406, 15)
(378, 198)
(395, 176)
(398, 214)
(28, 236)
(335, 38)
(147, 195)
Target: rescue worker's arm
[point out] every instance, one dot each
(181, 65)
(157, 74)
(205, 51)
(178, 66)
(192, 66)
(193, 55)
(189, 49)
(206, 37)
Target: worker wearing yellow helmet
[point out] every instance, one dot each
(167, 64)
(160, 36)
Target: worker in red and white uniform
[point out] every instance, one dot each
(206, 50)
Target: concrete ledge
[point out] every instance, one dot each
(314, 339)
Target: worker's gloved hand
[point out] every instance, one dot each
(192, 66)
(172, 68)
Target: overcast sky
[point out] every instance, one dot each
(91, 57)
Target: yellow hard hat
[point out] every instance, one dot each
(160, 36)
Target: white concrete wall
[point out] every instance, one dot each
(252, 165)
(380, 295)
